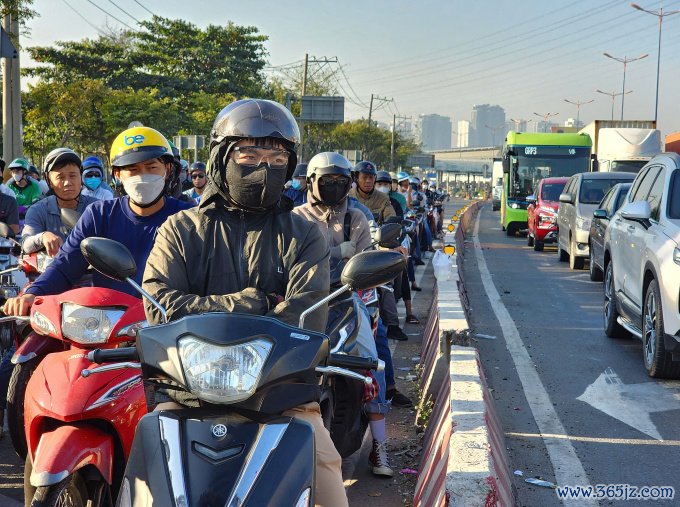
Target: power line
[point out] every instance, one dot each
(143, 7)
(123, 11)
(109, 14)
(83, 18)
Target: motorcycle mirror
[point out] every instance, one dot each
(70, 217)
(109, 257)
(6, 231)
(389, 236)
(371, 269)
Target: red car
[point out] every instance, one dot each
(542, 212)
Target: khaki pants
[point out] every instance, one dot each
(330, 490)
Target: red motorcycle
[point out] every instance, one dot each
(79, 429)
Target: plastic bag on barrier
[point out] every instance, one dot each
(442, 266)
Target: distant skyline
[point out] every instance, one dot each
(440, 57)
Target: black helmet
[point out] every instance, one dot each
(197, 166)
(300, 171)
(366, 167)
(256, 118)
(329, 162)
(61, 156)
(383, 177)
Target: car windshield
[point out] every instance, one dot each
(628, 166)
(593, 190)
(552, 191)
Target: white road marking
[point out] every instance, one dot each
(566, 465)
(632, 403)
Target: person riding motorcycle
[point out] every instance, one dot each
(348, 233)
(298, 187)
(26, 191)
(93, 179)
(241, 250)
(383, 183)
(198, 180)
(43, 227)
(142, 160)
(365, 192)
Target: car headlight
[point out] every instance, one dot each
(583, 223)
(42, 324)
(223, 373)
(514, 205)
(676, 255)
(87, 325)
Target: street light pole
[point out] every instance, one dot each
(545, 119)
(659, 14)
(625, 61)
(613, 95)
(578, 105)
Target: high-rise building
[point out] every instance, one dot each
(463, 134)
(486, 125)
(433, 132)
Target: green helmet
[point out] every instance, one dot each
(19, 163)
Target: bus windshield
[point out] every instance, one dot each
(527, 171)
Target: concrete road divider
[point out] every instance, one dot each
(464, 460)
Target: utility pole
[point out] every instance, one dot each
(11, 91)
(394, 128)
(370, 111)
(370, 118)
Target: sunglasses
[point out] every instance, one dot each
(197, 176)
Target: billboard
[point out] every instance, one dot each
(322, 109)
(420, 160)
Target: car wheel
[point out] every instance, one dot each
(538, 245)
(610, 313)
(564, 256)
(658, 362)
(574, 262)
(595, 272)
(530, 239)
(510, 230)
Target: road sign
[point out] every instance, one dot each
(322, 109)
(420, 160)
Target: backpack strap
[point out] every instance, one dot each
(347, 226)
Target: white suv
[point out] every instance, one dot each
(642, 266)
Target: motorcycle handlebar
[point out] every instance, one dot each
(100, 356)
(355, 362)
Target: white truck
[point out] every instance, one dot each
(623, 145)
(497, 183)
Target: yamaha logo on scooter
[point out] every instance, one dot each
(219, 431)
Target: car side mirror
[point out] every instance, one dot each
(6, 231)
(372, 269)
(109, 258)
(531, 199)
(567, 198)
(69, 217)
(638, 211)
(600, 213)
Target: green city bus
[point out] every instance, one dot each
(528, 158)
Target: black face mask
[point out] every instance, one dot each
(333, 192)
(254, 188)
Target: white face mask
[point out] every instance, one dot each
(17, 177)
(145, 188)
(382, 188)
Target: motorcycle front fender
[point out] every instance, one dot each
(68, 448)
(36, 345)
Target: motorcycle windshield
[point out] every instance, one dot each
(258, 363)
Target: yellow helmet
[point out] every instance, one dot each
(139, 144)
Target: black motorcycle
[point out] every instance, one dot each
(233, 448)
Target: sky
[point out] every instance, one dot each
(442, 57)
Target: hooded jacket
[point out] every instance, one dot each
(216, 257)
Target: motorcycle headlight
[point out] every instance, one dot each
(223, 373)
(42, 324)
(87, 325)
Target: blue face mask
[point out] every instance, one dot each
(296, 184)
(92, 183)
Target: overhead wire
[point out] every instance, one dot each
(123, 11)
(87, 21)
(143, 7)
(109, 14)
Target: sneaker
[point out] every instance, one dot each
(378, 460)
(395, 333)
(398, 399)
